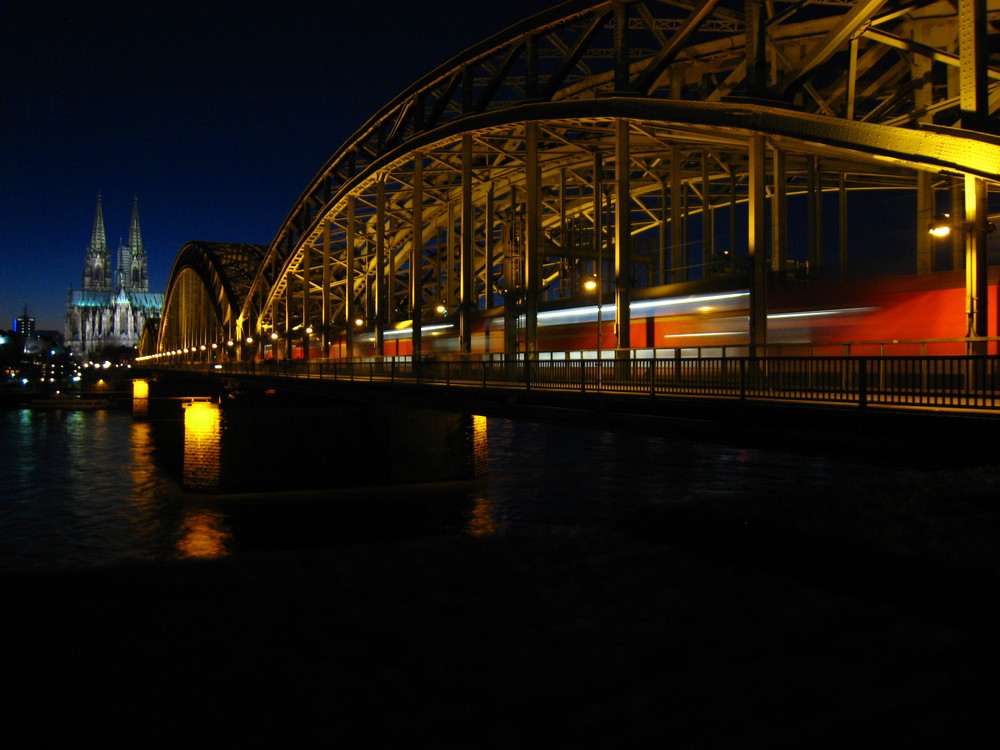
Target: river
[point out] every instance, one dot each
(94, 488)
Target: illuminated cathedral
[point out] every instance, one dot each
(110, 309)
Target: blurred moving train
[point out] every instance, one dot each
(909, 315)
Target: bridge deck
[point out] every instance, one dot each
(960, 384)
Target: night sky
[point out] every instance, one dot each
(215, 114)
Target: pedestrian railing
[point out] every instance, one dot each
(947, 382)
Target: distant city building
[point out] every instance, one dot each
(25, 325)
(110, 309)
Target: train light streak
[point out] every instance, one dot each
(819, 313)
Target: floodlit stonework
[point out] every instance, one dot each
(111, 308)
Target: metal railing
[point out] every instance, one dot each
(943, 382)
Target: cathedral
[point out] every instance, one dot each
(110, 309)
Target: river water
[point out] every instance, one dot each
(94, 488)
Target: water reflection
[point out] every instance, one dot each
(90, 488)
(203, 534)
(81, 488)
(142, 467)
(481, 519)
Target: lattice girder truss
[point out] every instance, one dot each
(497, 156)
(205, 292)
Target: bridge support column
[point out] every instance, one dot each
(140, 398)
(779, 214)
(707, 220)
(416, 257)
(925, 215)
(325, 314)
(532, 239)
(273, 341)
(288, 315)
(598, 209)
(814, 203)
(349, 280)
(467, 292)
(757, 248)
(678, 250)
(842, 234)
(202, 446)
(381, 297)
(306, 263)
(976, 288)
(623, 236)
(490, 260)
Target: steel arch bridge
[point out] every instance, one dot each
(635, 145)
(208, 284)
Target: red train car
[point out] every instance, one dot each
(905, 315)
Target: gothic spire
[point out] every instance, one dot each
(97, 265)
(98, 242)
(133, 258)
(134, 236)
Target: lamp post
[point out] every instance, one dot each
(940, 226)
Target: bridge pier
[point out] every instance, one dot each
(264, 442)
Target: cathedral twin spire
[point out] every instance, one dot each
(132, 274)
(97, 267)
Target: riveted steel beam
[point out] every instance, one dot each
(623, 235)
(756, 245)
(558, 74)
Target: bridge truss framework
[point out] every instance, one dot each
(631, 144)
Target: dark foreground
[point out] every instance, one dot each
(674, 631)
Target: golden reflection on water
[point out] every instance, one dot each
(203, 535)
(480, 445)
(143, 468)
(482, 522)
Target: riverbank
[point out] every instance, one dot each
(514, 640)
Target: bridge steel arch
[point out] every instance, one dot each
(640, 144)
(205, 291)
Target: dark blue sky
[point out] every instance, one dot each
(216, 114)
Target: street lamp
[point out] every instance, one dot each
(941, 225)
